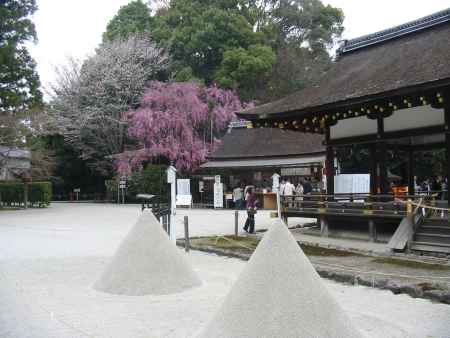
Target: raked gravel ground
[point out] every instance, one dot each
(50, 258)
(59, 229)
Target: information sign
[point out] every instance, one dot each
(352, 183)
(218, 195)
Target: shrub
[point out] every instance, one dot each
(12, 193)
(151, 180)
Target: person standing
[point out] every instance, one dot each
(307, 187)
(282, 185)
(299, 189)
(250, 200)
(289, 188)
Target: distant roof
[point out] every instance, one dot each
(15, 152)
(395, 32)
(394, 61)
(266, 162)
(244, 143)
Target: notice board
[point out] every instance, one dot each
(352, 184)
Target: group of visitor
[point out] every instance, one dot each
(247, 197)
(304, 187)
(435, 184)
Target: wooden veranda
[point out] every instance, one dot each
(418, 211)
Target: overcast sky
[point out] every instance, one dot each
(74, 27)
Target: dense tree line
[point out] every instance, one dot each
(264, 49)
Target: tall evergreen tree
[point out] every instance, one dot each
(132, 18)
(19, 81)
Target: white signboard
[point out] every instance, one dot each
(171, 174)
(184, 196)
(218, 195)
(184, 200)
(275, 182)
(361, 184)
(352, 183)
(183, 186)
(302, 171)
(217, 179)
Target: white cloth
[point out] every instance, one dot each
(237, 194)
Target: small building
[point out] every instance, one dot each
(249, 156)
(13, 162)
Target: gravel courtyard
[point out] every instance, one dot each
(49, 259)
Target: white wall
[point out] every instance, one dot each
(413, 118)
(402, 119)
(353, 127)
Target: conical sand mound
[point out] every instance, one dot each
(279, 294)
(147, 263)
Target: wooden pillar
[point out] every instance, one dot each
(383, 177)
(329, 163)
(447, 141)
(382, 158)
(373, 168)
(411, 183)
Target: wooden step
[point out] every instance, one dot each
(430, 247)
(432, 237)
(436, 221)
(434, 229)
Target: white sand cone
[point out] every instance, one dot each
(279, 294)
(147, 262)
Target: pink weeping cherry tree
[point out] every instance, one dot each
(178, 121)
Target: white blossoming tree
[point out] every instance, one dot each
(89, 98)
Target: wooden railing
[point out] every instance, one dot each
(160, 210)
(363, 205)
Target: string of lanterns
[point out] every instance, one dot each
(318, 124)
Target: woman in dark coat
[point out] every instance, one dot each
(250, 203)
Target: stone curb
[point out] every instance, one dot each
(425, 290)
(371, 253)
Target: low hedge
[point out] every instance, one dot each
(12, 194)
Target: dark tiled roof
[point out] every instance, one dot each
(258, 142)
(400, 63)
